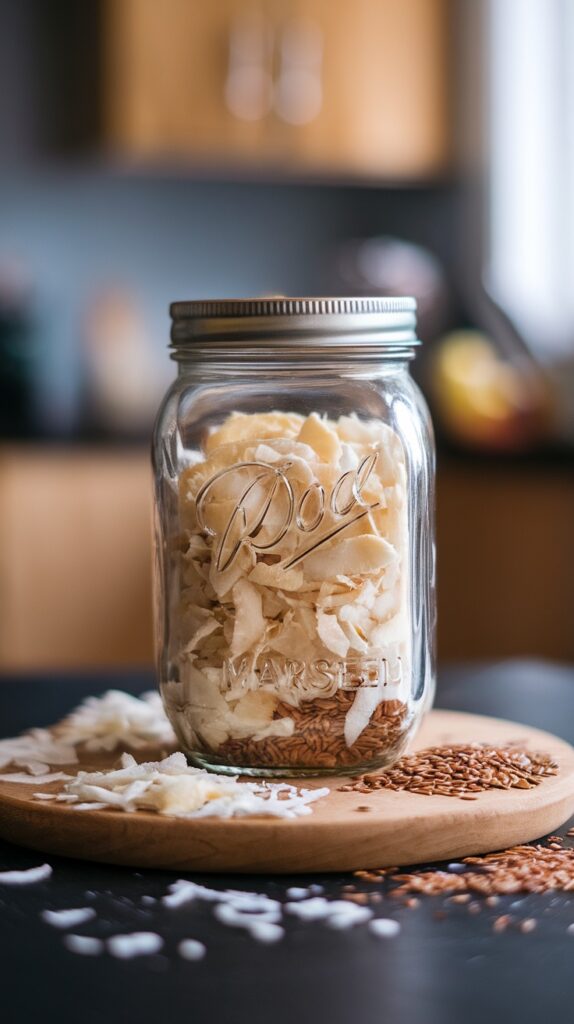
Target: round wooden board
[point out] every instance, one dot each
(401, 828)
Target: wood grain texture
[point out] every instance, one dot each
(402, 828)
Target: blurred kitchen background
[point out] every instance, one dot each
(156, 151)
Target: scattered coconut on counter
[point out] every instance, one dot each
(27, 876)
(191, 949)
(68, 918)
(126, 947)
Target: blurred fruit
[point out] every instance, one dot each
(485, 401)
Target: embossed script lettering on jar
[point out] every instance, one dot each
(294, 618)
(270, 497)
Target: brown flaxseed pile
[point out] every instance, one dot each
(318, 740)
(521, 869)
(461, 770)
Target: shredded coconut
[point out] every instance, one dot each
(37, 747)
(338, 914)
(267, 606)
(35, 780)
(118, 719)
(125, 947)
(183, 891)
(173, 788)
(256, 913)
(297, 893)
(68, 918)
(384, 927)
(266, 932)
(27, 876)
(191, 949)
(113, 720)
(85, 945)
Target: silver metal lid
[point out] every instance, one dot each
(369, 323)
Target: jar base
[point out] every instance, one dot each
(212, 764)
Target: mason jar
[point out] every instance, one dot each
(294, 549)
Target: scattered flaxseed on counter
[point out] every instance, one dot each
(460, 770)
(528, 869)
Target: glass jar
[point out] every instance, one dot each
(294, 494)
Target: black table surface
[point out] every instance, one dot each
(446, 966)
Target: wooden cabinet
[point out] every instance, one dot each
(329, 86)
(75, 561)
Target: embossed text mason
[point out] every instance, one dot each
(294, 535)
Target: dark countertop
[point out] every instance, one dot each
(446, 970)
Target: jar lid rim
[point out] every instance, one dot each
(283, 306)
(295, 324)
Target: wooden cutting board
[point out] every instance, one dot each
(401, 828)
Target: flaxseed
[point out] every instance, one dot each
(461, 770)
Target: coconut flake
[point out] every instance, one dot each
(331, 634)
(367, 698)
(266, 932)
(322, 438)
(183, 891)
(38, 768)
(338, 914)
(126, 947)
(296, 892)
(85, 945)
(202, 632)
(232, 914)
(34, 780)
(68, 918)
(173, 788)
(384, 927)
(352, 556)
(249, 623)
(191, 949)
(35, 748)
(256, 913)
(27, 876)
(118, 719)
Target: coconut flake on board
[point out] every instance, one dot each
(118, 719)
(35, 780)
(35, 749)
(172, 787)
(115, 719)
